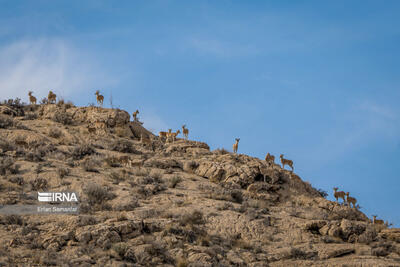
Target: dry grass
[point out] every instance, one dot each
(62, 172)
(97, 194)
(90, 165)
(81, 151)
(39, 184)
(8, 166)
(55, 133)
(174, 181)
(6, 122)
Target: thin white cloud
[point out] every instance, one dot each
(47, 64)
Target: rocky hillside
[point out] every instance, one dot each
(178, 204)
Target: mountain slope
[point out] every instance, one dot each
(178, 204)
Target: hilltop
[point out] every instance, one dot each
(177, 204)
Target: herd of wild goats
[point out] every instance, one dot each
(167, 136)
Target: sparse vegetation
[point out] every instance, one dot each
(62, 172)
(8, 166)
(174, 181)
(90, 165)
(55, 133)
(39, 184)
(11, 219)
(97, 194)
(123, 146)
(221, 151)
(63, 118)
(6, 122)
(81, 151)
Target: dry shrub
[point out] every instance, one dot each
(8, 166)
(86, 220)
(62, 172)
(119, 176)
(6, 146)
(34, 156)
(174, 181)
(81, 151)
(30, 116)
(221, 151)
(190, 166)
(90, 165)
(123, 146)
(55, 133)
(141, 172)
(112, 162)
(182, 262)
(193, 218)
(6, 122)
(97, 194)
(63, 118)
(39, 184)
(156, 175)
(17, 180)
(12, 219)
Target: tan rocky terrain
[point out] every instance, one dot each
(178, 204)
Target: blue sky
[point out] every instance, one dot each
(316, 80)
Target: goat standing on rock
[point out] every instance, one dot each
(185, 131)
(375, 221)
(235, 145)
(32, 99)
(351, 200)
(286, 162)
(134, 114)
(270, 158)
(51, 97)
(339, 194)
(99, 98)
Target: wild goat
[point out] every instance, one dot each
(99, 98)
(286, 162)
(32, 99)
(236, 145)
(375, 221)
(173, 135)
(350, 200)
(134, 114)
(52, 97)
(164, 134)
(185, 131)
(270, 158)
(339, 194)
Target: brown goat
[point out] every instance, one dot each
(99, 98)
(185, 131)
(375, 221)
(134, 114)
(270, 158)
(52, 97)
(236, 145)
(339, 194)
(351, 200)
(32, 99)
(286, 162)
(173, 135)
(164, 134)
